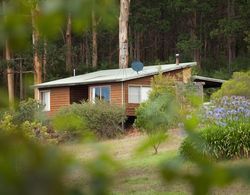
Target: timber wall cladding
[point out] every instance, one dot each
(59, 97)
(146, 81)
(186, 75)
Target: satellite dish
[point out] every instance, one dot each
(137, 65)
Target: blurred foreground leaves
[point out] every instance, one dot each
(15, 17)
(30, 168)
(205, 173)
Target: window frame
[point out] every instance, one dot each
(140, 86)
(100, 86)
(41, 99)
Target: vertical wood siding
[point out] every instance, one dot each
(59, 97)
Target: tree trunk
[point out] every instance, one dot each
(138, 46)
(36, 59)
(193, 34)
(131, 49)
(94, 40)
(87, 50)
(68, 45)
(21, 79)
(10, 76)
(231, 42)
(123, 33)
(10, 72)
(44, 59)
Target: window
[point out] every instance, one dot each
(45, 100)
(138, 94)
(100, 93)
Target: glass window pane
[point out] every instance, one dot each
(145, 93)
(45, 100)
(105, 93)
(134, 95)
(97, 93)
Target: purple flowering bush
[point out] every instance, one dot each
(224, 110)
(226, 133)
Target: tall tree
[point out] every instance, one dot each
(45, 45)
(10, 72)
(69, 45)
(231, 42)
(94, 40)
(123, 33)
(37, 61)
(10, 75)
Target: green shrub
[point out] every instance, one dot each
(103, 118)
(238, 85)
(33, 130)
(29, 110)
(159, 112)
(222, 142)
(69, 125)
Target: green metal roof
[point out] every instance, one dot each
(114, 75)
(202, 78)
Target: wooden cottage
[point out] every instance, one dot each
(123, 87)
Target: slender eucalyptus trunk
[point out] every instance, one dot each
(137, 45)
(10, 72)
(69, 45)
(193, 32)
(123, 33)
(87, 50)
(94, 40)
(36, 58)
(10, 76)
(231, 42)
(45, 44)
(131, 49)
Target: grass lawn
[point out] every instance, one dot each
(140, 174)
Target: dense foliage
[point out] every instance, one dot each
(33, 130)
(29, 110)
(70, 126)
(29, 167)
(102, 118)
(238, 85)
(214, 33)
(227, 131)
(226, 109)
(228, 142)
(156, 115)
(205, 173)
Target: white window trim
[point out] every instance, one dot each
(141, 86)
(40, 98)
(91, 95)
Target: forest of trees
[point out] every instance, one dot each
(215, 34)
